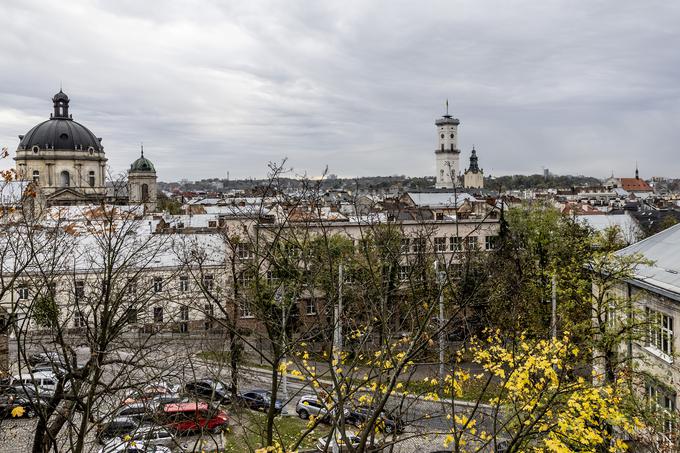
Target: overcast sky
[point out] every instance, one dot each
(211, 87)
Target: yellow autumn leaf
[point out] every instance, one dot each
(18, 411)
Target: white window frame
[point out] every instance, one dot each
(440, 244)
(79, 320)
(157, 284)
(245, 310)
(404, 272)
(184, 283)
(23, 292)
(455, 244)
(419, 245)
(310, 307)
(660, 335)
(243, 251)
(209, 282)
(405, 245)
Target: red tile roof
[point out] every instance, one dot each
(635, 185)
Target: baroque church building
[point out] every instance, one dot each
(66, 163)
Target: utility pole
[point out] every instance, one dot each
(442, 339)
(337, 332)
(553, 319)
(284, 379)
(337, 346)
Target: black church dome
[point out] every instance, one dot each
(60, 131)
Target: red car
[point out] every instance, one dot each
(190, 417)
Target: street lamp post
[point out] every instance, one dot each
(442, 339)
(280, 297)
(337, 346)
(553, 318)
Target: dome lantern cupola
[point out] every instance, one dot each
(60, 101)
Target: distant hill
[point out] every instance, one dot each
(386, 183)
(519, 182)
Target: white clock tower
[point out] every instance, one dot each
(447, 152)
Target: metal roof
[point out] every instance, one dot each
(664, 250)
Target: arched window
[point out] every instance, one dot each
(36, 176)
(441, 175)
(91, 178)
(145, 192)
(65, 179)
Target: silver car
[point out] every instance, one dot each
(125, 447)
(309, 405)
(353, 440)
(154, 435)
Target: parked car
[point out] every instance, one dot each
(259, 400)
(119, 445)
(190, 417)
(27, 392)
(57, 369)
(148, 392)
(46, 356)
(10, 401)
(143, 412)
(210, 389)
(117, 427)
(360, 414)
(353, 440)
(44, 382)
(154, 435)
(169, 398)
(309, 405)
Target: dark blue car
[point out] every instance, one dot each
(259, 400)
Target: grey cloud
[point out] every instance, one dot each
(211, 87)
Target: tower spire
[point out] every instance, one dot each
(142, 146)
(637, 172)
(447, 106)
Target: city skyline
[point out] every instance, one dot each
(587, 90)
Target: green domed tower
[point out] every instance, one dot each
(142, 183)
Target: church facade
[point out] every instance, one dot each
(474, 176)
(66, 162)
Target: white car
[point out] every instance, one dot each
(322, 442)
(118, 445)
(45, 382)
